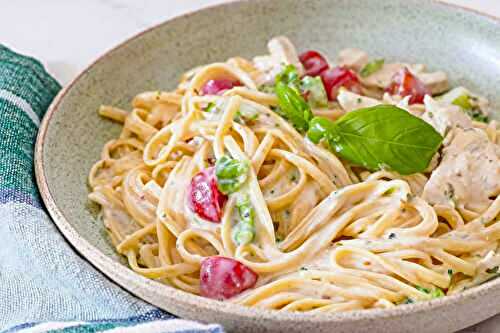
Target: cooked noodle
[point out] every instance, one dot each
(329, 236)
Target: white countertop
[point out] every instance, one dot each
(67, 35)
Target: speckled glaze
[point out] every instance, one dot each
(463, 43)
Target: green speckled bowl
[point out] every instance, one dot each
(461, 42)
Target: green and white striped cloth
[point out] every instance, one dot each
(44, 285)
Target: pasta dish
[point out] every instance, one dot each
(295, 183)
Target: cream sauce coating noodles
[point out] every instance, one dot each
(329, 236)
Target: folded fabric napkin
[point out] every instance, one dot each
(44, 285)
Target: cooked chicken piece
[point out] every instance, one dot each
(444, 117)
(352, 58)
(350, 101)
(437, 82)
(383, 77)
(468, 176)
(282, 52)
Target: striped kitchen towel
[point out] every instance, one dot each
(44, 285)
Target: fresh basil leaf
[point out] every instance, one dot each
(385, 137)
(372, 67)
(293, 106)
(231, 174)
(319, 128)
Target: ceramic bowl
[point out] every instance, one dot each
(463, 43)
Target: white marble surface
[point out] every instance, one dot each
(67, 35)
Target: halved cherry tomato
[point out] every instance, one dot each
(204, 198)
(335, 78)
(314, 63)
(218, 87)
(404, 83)
(222, 277)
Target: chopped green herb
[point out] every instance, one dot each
(462, 101)
(267, 88)
(392, 235)
(477, 115)
(449, 192)
(390, 191)
(450, 272)
(407, 300)
(435, 292)
(211, 107)
(303, 268)
(246, 113)
(422, 289)
(231, 174)
(372, 67)
(493, 270)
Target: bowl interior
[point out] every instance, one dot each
(464, 44)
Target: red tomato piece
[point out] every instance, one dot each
(204, 198)
(314, 63)
(222, 277)
(404, 83)
(218, 87)
(335, 78)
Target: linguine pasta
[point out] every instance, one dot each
(323, 234)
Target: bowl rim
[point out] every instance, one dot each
(120, 274)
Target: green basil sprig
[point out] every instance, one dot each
(293, 107)
(380, 137)
(290, 77)
(231, 174)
